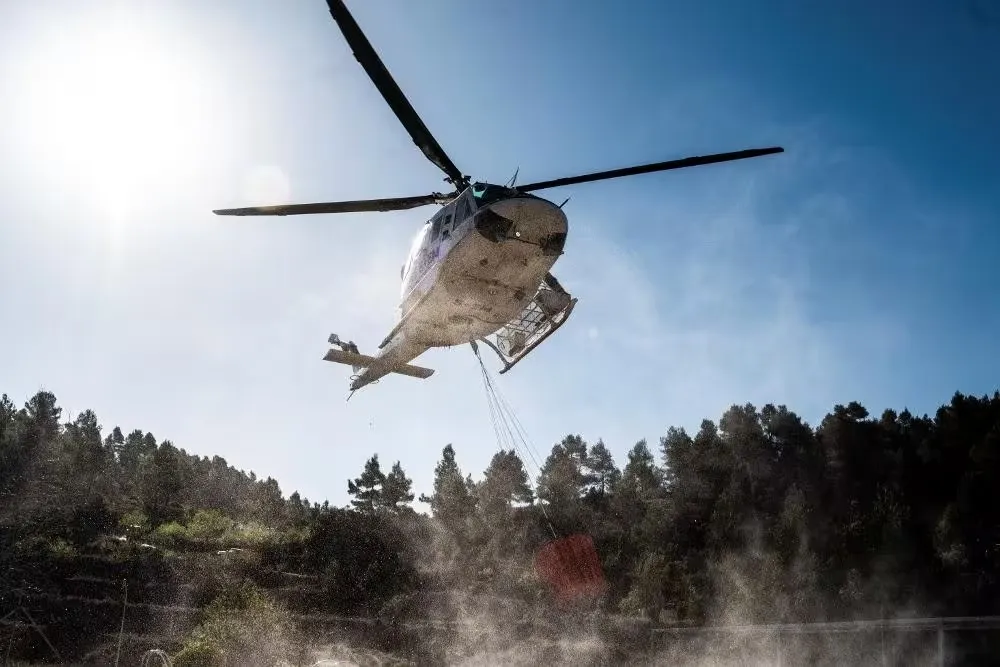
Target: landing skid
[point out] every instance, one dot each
(544, 314)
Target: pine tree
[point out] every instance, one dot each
(603, 473)
(451, 501)
(505, 482)
(396, 490)
(367, 489)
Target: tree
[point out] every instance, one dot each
(451, 501)
(396, 490)
(8, 413)
(604, 474)
(161, 483)
(505, 482)
(13, 457)
(676, 448)
(860, 513)
(43, 415)
(640, 478)
(374, 490)
(563, 478)
(367, 489)
(114, 442)
(85, 433)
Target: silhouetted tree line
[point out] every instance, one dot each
(53, 473)
(759, 515)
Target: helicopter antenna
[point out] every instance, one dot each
(513, 178)
(564, 202)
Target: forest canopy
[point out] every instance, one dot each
(848, 518)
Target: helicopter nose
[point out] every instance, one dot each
(529, 219)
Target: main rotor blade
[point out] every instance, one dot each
(386, 85)
(361, 206)
(647, 168)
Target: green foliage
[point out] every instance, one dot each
(61, 548)
(396, 489)
(646, 594)
(374, 490)
(861, 513)
(134, 520)
(170, 534)
(367, 489)
(241, 626)
(451, 502)
(210, 529)
(505, 484)
(209, 524)
(365, 559)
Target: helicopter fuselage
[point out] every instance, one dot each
(472, 268)
(475, 265)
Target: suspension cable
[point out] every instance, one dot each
(506, 423)
(511, 426)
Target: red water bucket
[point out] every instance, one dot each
(572, 568)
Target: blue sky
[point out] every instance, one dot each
(858, 265)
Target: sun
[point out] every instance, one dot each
(111, 104)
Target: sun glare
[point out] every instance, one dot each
(110, 106)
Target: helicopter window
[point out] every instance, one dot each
(436, 229)
(446, 227)
(464, 212)
(487, 194)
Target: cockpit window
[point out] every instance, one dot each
(487, 194)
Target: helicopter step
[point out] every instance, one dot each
(364, 364)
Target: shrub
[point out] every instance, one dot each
(241, 626)
(170, 533)
(209, 525)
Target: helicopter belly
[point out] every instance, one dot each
(487, 278)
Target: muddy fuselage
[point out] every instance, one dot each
(474, 266)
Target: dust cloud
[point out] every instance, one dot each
(755, 620)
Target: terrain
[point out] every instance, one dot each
(115, 543)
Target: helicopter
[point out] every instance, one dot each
(480, 267)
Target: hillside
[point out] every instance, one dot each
(758, 518)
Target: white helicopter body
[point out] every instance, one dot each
(480, 266)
